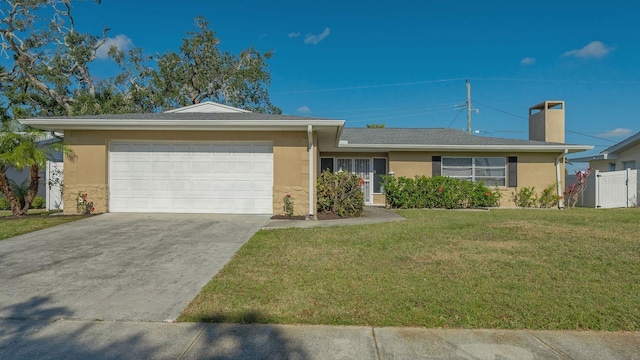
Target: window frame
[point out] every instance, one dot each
(474, 177)
(373, 170)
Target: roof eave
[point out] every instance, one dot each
(598, 157)
(141, 124)
(461, 148)
(624, 144)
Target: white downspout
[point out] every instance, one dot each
(311, 215)
(558, 179)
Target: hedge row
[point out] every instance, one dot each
(437, 192)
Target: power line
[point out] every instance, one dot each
(401, 116)
(622, 82)
(366, 86)
(454, 118)
(499, 110)
(591, 136)
(386, 108)
(404, 111)
(522, 117)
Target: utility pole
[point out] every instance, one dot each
(468, 106)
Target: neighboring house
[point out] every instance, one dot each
(212, 158)
(615, 180)
(55, 161)
(621, 156)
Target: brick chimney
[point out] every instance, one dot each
(546, 122)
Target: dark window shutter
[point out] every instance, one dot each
(513, 171)
(436, 163)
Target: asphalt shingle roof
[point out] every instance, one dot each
(434, 136)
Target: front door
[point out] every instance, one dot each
(362, 168)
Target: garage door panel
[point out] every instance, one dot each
(241, 149)
(161, 166)
(191, 177)
(262, 149)
(201, 166)
(202, 185)
(181, 166)
(262, 167)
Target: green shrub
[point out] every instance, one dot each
(437, 192)
(525, 197)
(38, 203)
(549, 197)
(4, 204)
(20, 190)
(340, 194)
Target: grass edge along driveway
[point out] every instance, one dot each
(11, 227)
(506, 269)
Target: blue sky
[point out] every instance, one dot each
(403, 63)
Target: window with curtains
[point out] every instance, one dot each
(491, 171)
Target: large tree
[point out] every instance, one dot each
(47, 72)
(200, 71)
(49, 62)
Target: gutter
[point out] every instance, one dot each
(558, 179)
(311, 212)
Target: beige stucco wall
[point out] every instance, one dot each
(88, 171)
(534, 169)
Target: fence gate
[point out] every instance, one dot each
(610, 189)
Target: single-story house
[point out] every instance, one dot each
(621, 156)
(212, 158)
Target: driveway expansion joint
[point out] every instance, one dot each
(551, 347)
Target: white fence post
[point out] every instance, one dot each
(596, 186)
(626, 173)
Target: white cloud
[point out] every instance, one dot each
(121, 41)
(304, 109)
(528, 61)
(594, 49)
(293, 35)
(314, 39)
(617, 132)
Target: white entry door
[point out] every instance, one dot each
(191, 177)
(362, 168)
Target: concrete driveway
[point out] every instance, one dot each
(118, 266)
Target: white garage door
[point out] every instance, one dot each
(193, 177)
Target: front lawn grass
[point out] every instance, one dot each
(509, 269)
(36, 220)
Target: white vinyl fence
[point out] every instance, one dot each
(609, 189)
(54, 191)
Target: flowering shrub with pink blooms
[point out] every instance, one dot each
(574, 191)
(84, 206)
(288, 205)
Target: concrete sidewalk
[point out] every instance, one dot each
(71, 339)
(370, 215)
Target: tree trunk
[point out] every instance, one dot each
(8, 194)
(33, 189)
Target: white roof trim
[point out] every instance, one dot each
(146, 124)
(207, 107)
(594, 158)
(622, 144)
